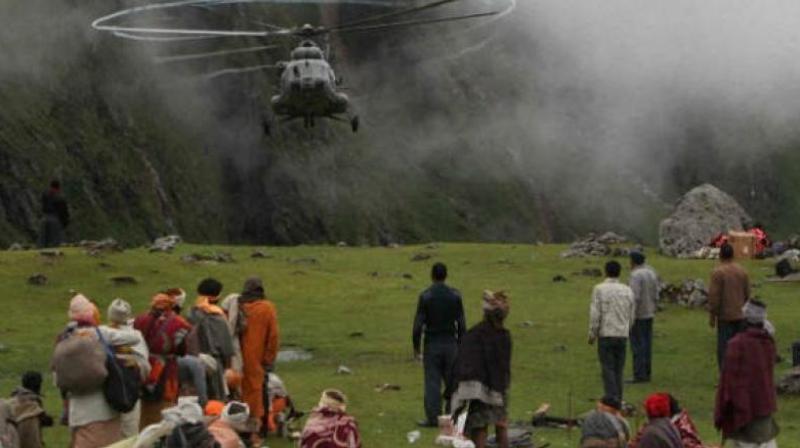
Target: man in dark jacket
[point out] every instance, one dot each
(440, 316)
(55, 216)
(746, 398)
(210, 336)
(727, 293)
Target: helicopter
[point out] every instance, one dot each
(308, 87)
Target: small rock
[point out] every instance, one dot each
(559, 278)
(421, 257)
(165, 244)
(393, 246)
(104, 265)
(408, 276)
(51, 253)
(357, 334)
(386, 386)
(213, 257)
(122, 280)
(305, 260)
(341, 244)
(526, 324)
(560, 348)
(16, 247)
(413, 436)
(3, 348)
(37, 280)
(374, 274)
(260, 254)
(344, 370)
(591, 272)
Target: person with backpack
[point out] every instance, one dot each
(80, 369)
(258, 333)
(28, 411)
(165, 333)
(120, 317)
(210, 337)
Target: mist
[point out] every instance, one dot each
(557, 118)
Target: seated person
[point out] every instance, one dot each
(605, 427)
(28, 412)
(659, 432)
(329, 425)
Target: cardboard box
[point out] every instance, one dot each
(744, 244)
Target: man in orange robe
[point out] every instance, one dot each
(259, 340)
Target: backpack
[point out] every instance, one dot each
(79, 363)
(122, 385)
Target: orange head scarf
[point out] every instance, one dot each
(162, 302)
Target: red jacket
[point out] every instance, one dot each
(746, 390)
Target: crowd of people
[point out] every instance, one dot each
(205, 378)
(165, 378)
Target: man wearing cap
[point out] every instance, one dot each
(746, 397)
(120, 317)
(605, 427)
(644, 284)
(728, 290)
(440, 317)
(610, 319)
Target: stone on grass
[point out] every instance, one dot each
(166, 243)
(37, 280)
(699, 216)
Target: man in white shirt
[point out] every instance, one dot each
(611, 316)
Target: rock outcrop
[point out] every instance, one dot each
(701, 214)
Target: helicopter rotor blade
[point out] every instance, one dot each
(236, 71)
(384, 26)
(212, 54)
(146, 38)
(390, 15)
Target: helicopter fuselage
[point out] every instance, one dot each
(308, 88)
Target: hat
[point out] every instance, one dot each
(755, 312)
(658, 405)
(333, 399)
(81, 309)
(495, 301)
(119, 312)
(612, 402)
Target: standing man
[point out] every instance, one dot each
(746, 398)
(610, 319)
(440, 316)
(644, 284)
(259, 338)
(55, 216)
(727, 293)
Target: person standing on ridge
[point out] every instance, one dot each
(55, 216)
(440, 317)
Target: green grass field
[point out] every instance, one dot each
(324, 294)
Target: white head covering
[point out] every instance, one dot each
(119, 312)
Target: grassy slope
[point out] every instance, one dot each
(321, 304)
